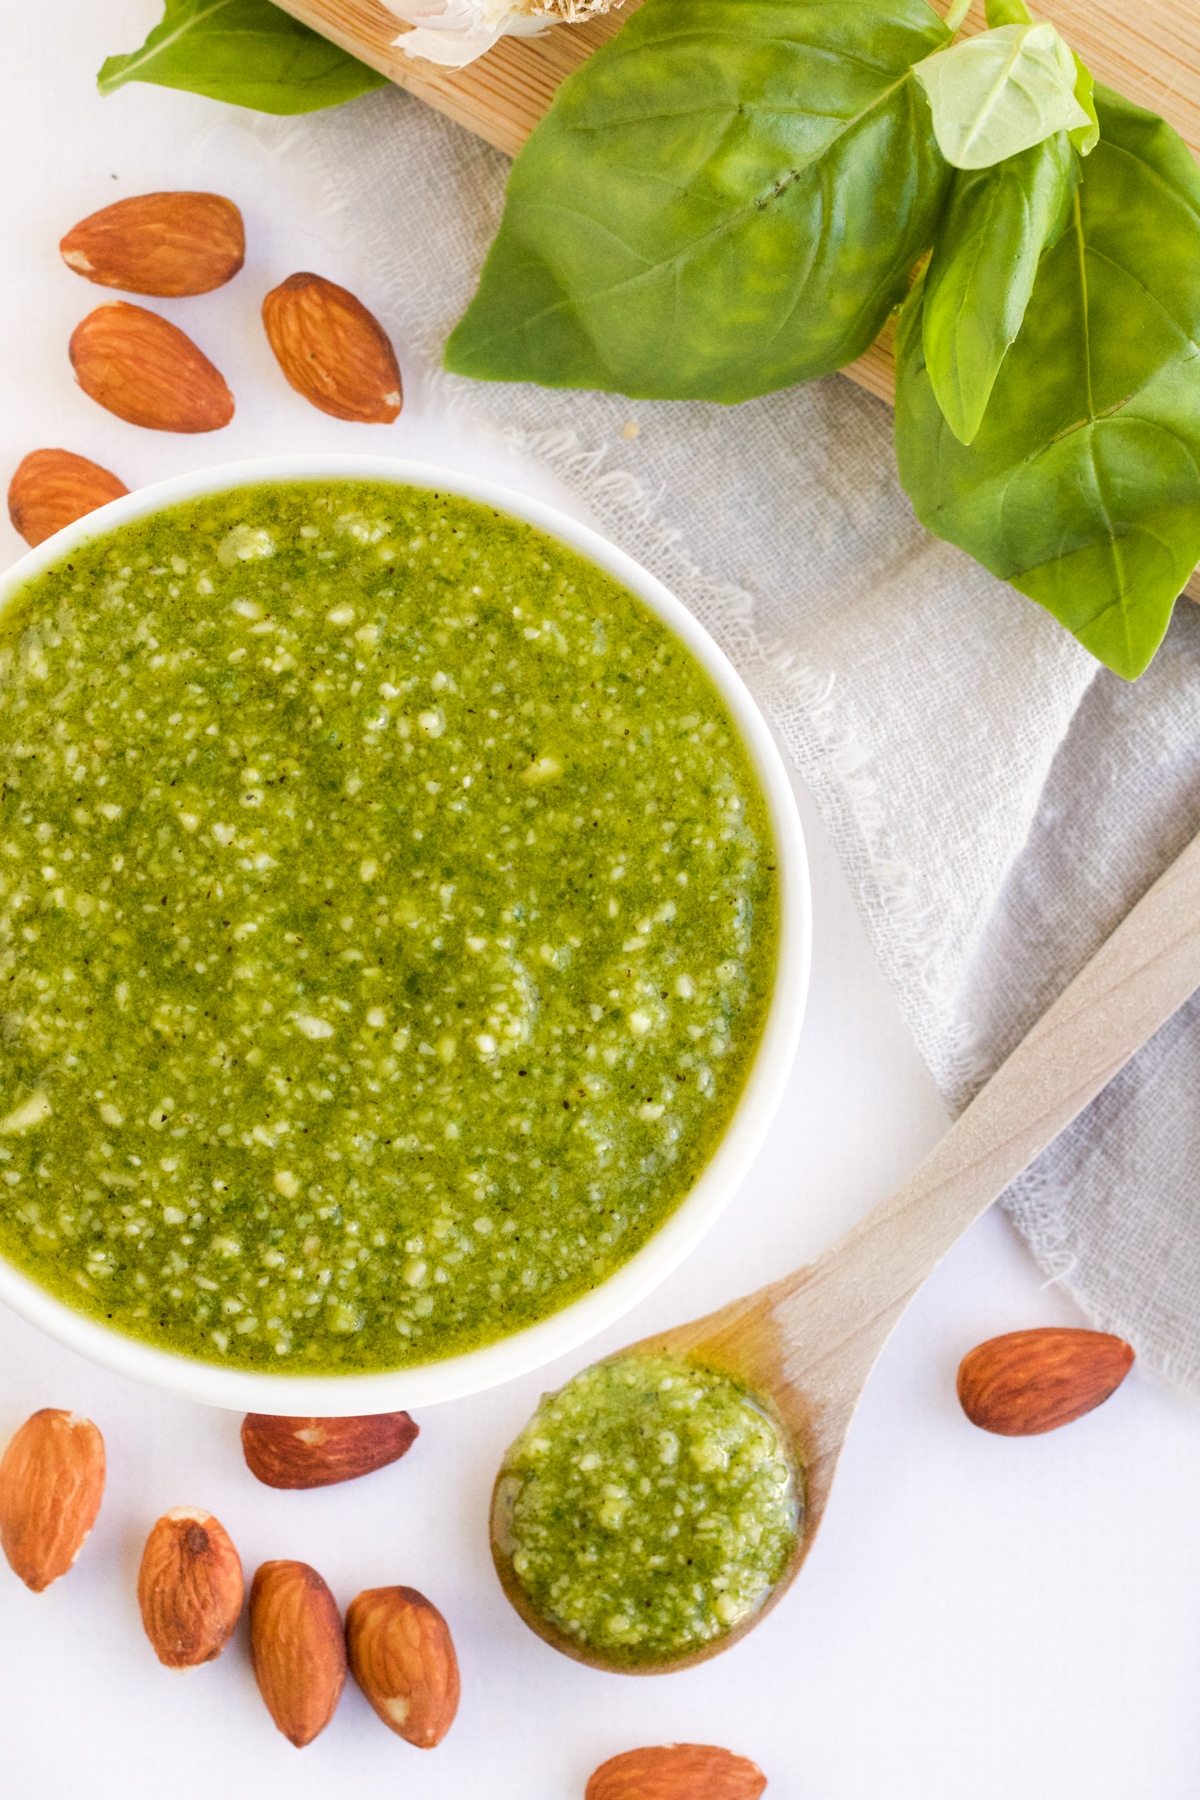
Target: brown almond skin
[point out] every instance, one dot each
(402, 1657)
(189, 1587)
(53, 488)
(310, 1453)
(141, 367)
(297, 1648)
(51, 1486)
(1027, 1382)
(677, 1772)
(332, 350)
(166, 244)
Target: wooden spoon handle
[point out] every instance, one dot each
(1138, 978)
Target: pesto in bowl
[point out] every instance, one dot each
(389, 917)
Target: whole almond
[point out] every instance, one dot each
(51, 1485)
(53, 488)
(1033, 1381)
(165, 244)
(677, 1772)
(297, 1648)
(147, 371)
(310, 1453)
(332, 350)
(189, 1587)
(402, 1657)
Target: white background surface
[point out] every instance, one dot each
(981, 1619)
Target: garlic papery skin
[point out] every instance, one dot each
(456, 32)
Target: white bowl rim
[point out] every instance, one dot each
(476, 1370)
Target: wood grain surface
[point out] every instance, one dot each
(501, 97)
(1150, 52)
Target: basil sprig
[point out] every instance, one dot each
(726, 199)
(245, 51)
(733, 194)
(1082, 484)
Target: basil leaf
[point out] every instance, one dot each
(725, 199)
(1000, 92)
(981, 274)
(1082, 486)
(245, 51)
(1015, 12)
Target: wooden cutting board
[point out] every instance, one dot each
(1149, 51)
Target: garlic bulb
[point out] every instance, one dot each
(455, 32)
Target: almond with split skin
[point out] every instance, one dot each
(1027, 1382)
(297, 1648)
(332, 350)
(51, 1485)
(402, 1657)
(310, 1453)
(677, 1772)
(189, 1587)
(53, 488)
(165, 244)
(147, 371)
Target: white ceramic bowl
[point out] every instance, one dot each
(562, 1331)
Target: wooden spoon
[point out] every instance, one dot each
(806, 1345)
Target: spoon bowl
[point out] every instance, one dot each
(805, 1346)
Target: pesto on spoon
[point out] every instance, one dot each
(647, 1508)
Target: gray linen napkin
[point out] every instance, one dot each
(995, 802)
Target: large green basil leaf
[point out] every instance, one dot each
(1000, 92)
(982, 270)
(245, 51)
(1082, 486)
(727, 198)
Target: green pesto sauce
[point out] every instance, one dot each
(648, 1507)
(388, 919)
